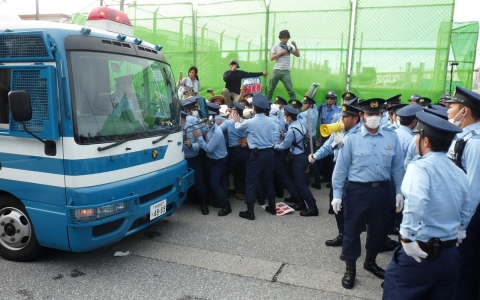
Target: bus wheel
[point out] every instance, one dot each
(17, 236)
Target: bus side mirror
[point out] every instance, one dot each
(20, 106)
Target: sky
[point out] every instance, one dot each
(465, 10)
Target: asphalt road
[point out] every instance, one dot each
(189, 256)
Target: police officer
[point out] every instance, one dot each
(191, 149)
(395, 100)
(464, 112)
(281, 102)
(369, 158)
(347, 97)
(443, 100)
(424, 101)
(408, 121)
(350, 119)
(413, 99)
(436, 206)
(259, 131)
(216, 150)
(295, 104)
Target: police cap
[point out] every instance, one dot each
(445, 97)
(408, 111)
(289, 110)
(280, 100)
(372, 106)
(439, 113)
(261, 102)
(353, 102)
(308, 100)
(466, 97)
(349, 110)
(397, 99)
(424, 101)
(331, 94)
(436, 127)
(348, 96)
(295, 103)
(213, 109)
(189, 103)
(238, 106)
(414, 97)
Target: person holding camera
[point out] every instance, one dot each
(233, 80)
(281, 71)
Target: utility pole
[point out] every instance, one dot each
(122, 2)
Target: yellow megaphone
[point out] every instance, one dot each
(326, 130)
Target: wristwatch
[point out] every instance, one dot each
(405, 240)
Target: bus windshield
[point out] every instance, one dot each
(117, 97)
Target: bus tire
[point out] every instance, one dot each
(18, 241)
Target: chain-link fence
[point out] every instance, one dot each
(397, 48)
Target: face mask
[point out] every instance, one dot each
(195, 113)
(373, 121)
(285, 120)
(457, 123)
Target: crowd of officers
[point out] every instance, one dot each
(411, 170)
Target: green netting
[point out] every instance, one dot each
(464, 46)
(397, 48)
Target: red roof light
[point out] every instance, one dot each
(107, 13)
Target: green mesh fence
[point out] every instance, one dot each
(463, 49)
(397, 48)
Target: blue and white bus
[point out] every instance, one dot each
(90, 136)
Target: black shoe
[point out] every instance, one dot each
(338, 241)
(371, 266)
(204, 207)
(348, 280)
(390, 244)
(299, 206)
(311, 212)
(292, 199)
(212, 201)
(272, 207)
(231, 192)
(328, 185)
(317, 184)
(226, 209)
(342, 257)
(382, 284)
(280, 193)
(330, 210)
(375, 269)
(249, 213)
(260, 198)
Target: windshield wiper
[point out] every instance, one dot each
(164, 136)
(121, 142)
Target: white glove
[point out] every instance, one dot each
(399, 202)
(338, 138)
(412, 249)
(337, 205)
(460, 236)
(312, 158)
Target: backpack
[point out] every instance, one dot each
(305, 139)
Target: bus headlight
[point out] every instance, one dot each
(93, 214)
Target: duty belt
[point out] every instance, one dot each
(371, 184)
(435, 246)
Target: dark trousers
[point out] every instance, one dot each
(327, 167)
(469, 273)
(259, 168)
(338, 217)
(218, 179)
(407, 279)
(281, 174)
(300, 165)
(237, 160)
(362, 205)
(196, 164)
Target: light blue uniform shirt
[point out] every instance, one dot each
(337, 117)
(384, 120)
(331, 146)
(193, 120)
(326, 114)
(291, 136)
(233, 134)
(214, 143)
(303, 119)
(190, 152)
(411, 152)
(281, 120)
(470, 160)
(368, 158)
(436, 199)
(405, 135)
(259, 131)
(276, 133)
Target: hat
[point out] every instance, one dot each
(414, 97)
(233, 61)
(466, 97)
(435, 126)
(408, 111)
(247, 113)
(280, 100)
(353, 102)
(260, 102)
(372, 106)
(213, 109)
(213, 98)
(189, 103)
(274, 109)
(348, 110)
(223, 110)
(331, 94)
(439, 113)
(124, 79)
(348, 96)
(394, 108)
(397, 99)
(291, 110)
(445, 97)
(308, 100)
(238, 106)
(424, 101)
(439, 107)
(295, 103)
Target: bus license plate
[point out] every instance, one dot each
(158, 209)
